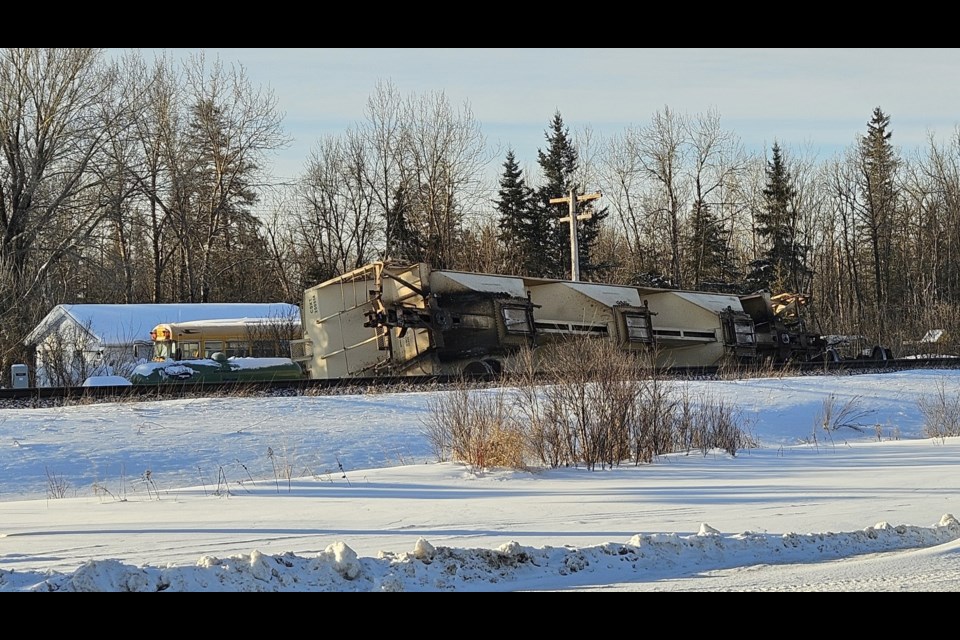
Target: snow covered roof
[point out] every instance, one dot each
(118, 324)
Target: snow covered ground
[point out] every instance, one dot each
(343, 493)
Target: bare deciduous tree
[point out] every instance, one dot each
(58, 113)
(338, 220)
(663, 156)
(717, 165)
(442, 152)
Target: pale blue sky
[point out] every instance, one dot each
(810, 100)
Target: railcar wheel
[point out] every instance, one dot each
(495, 366)
(477, 367)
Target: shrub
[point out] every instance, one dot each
(582, 401)
(941, 412)
(474, 426)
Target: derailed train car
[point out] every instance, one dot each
(411, 320)
(390, 319)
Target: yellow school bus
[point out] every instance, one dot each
(233, 337)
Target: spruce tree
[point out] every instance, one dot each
(402, 241)
(782, 265)
(589, 233)
(517, 215)
(559, 164)
(879, 166)
(709, 252)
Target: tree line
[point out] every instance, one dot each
(134, 181)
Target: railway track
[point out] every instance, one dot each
(58, 396)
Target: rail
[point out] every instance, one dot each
(46, 396)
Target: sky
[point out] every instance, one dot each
(343, 493)
(811, 100)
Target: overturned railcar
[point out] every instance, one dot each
(678, 328)
(564, 308)
(389, 319)
(383, 319)
(696, 328)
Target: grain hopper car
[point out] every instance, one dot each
(384, 319)
(391, 319)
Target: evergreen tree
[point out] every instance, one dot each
(710, 255)
(878, 170)
(552, 237)
(402, 242)
(517, 215)
(782, 266)
(559, 164)
(589, 233)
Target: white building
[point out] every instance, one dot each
(75, 341)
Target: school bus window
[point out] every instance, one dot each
(236, 349)
(189, 350)
(210, 347)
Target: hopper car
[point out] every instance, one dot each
(390, 319)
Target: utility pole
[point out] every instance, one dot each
(572, 219)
